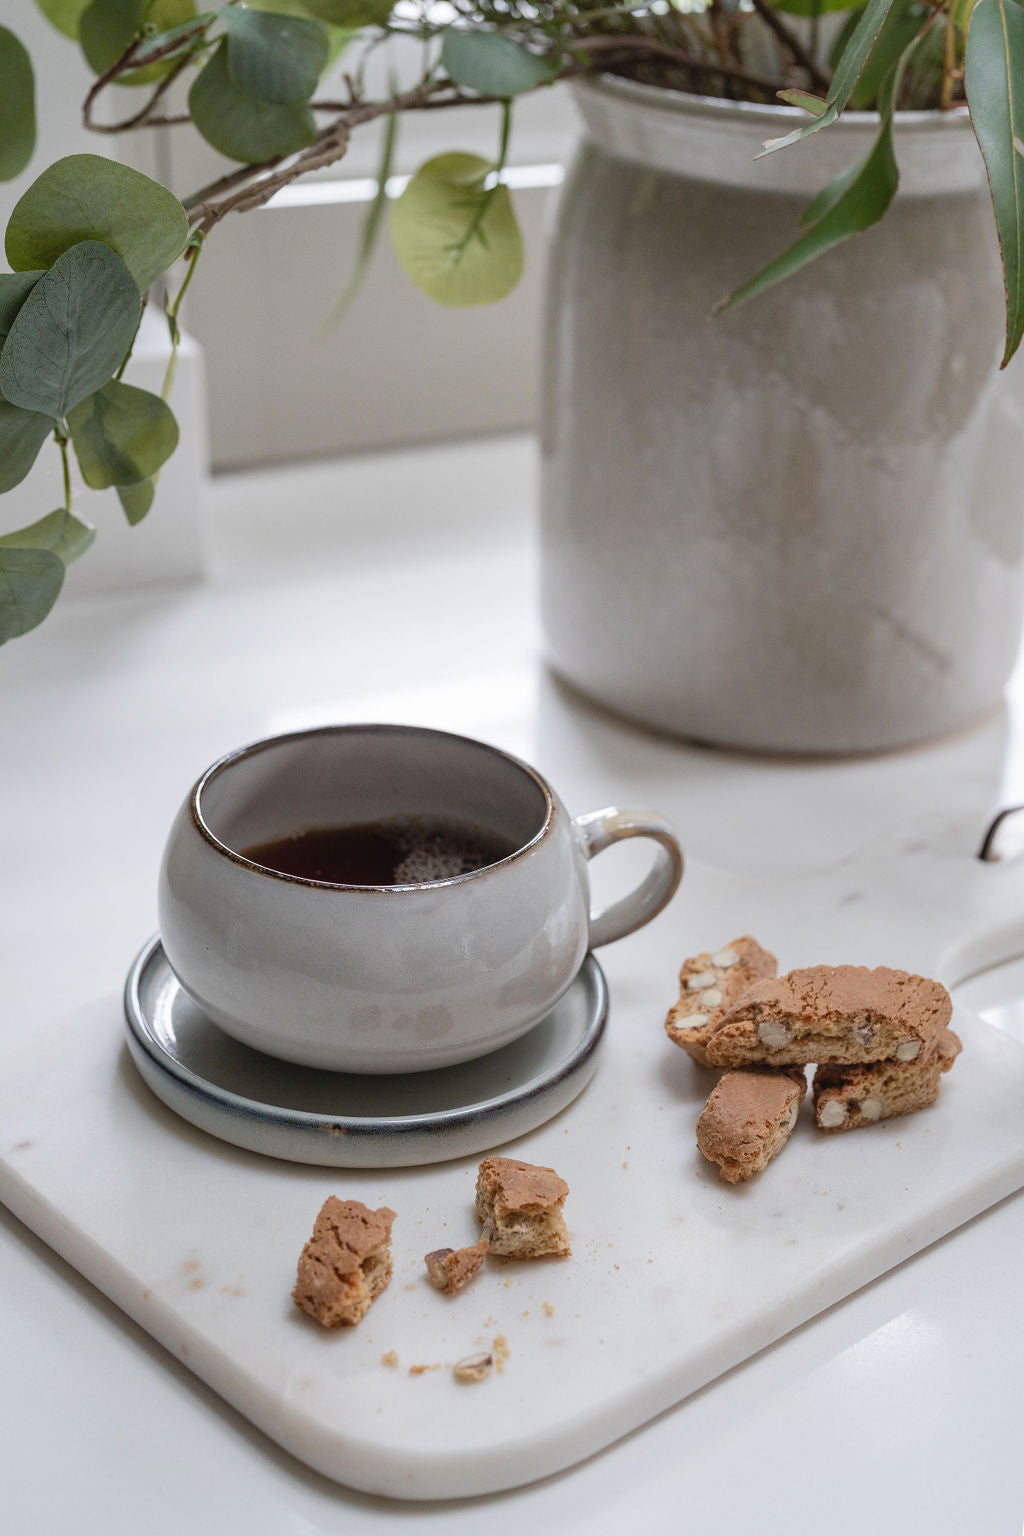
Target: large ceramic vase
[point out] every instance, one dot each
(798, 526)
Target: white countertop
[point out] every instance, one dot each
(402, 588)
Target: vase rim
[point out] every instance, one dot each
(712, 139)
(689, 104)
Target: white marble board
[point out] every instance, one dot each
(675, 1277)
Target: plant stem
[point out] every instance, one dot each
(949, 62)
(486, 198)
(192, 258)
(791, 43)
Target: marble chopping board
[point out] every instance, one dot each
(675, 1277)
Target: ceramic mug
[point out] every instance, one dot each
(388, 978)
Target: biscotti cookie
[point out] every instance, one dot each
(345, 1264)
(748, 1118)
(450, 1269)
(842, 1013)
(709, 985)
(847, 1097)
(519, 1208)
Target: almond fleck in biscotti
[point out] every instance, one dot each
(519, 1208)
(346, 1263)
(848, 1097)
(450, 1269)
(827, 1014)
(748, 1119)
(709, 985)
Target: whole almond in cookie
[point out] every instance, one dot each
(709, 985)
(846, 1097)
(748, 1118)
(827, 1014)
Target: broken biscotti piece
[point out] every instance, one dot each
(449, 1269)
(841, 1013)
(519, 1207)
(748, 1118)
(709, 985)
(847, 1097)
(345, 1264)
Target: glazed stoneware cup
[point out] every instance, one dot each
(374, 978)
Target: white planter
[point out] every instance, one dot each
(799, 526)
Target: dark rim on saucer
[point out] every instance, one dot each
(230, 758)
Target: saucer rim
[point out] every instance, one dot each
(142, 1037)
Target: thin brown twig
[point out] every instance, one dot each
(626, 44)
(792, 44)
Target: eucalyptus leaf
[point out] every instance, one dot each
(848, 71)
(352, 14)
(15, 288)
(804, 99)
(902, 25)
(22, 434)
(994, 81)
(108, 26)
(63, 533)
(458, 242)
(136, 500)
(72, 332)
(492, 64)
(176, 41)
(122, 435)
(240, 126)
(63, 14)
(274, 58)
(30, 582)
(17, 106)
(86, 197)
(851, 203)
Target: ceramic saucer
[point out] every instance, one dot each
(342, 1120)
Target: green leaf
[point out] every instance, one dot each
(63, 14)
(812, 104)
(85, 197)
(848, 70)
(179, 40)
(22, 434)
(459, 243)
(15, 288)
(136, 499)
(17, 107)
(351, 13)
(274, 58)
(854, 201)
(122, 435)
(72, 332)
(108, 26)
(994, 81)
(902, 25)
(492, 64)
(240, 126)
(63, 533)
(30, 581)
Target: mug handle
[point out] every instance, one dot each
(596, 831)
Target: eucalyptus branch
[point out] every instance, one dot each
(631, 43)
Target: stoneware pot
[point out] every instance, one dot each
(798, 526)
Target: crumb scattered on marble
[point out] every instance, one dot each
(418, 1370)
(548, 1309)
(390, 1358)
(501, 1351)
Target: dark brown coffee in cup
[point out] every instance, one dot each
(394, 850)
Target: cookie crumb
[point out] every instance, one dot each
(547, 1309)
(390, 1358)
(501, 1351)
(449, 1270)
(418, 1370)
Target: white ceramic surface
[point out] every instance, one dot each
(796, 526)
(344, 1120)
(408, 978)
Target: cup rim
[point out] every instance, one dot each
(237, 754)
